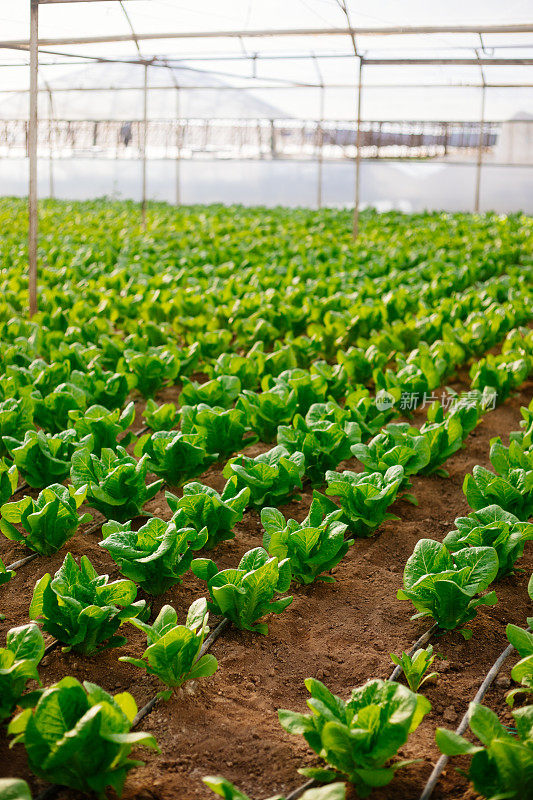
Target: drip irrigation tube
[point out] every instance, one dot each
(461, 728)
(22, 561)
(21, 488)
(213, 636)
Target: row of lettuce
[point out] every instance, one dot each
(443, 581)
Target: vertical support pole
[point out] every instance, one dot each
(144, 138)
(50, 142)
(178, 148)
(480, 150)
(320, 143)
(358, 153)
(32, 154)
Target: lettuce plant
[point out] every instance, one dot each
(9, 477)
(522, 641)
(246, 369)
(80, 736)
(103, 427)
(16, 417)
(173, 653)
(512, 492)
(162, 417)
(313, 546)
(222, 429)
(524, 436)
(335, 376)
(324, 444)
(14, 789)
(365, 497)
(116, 482)
(157, 555)
(360, 364)
(245, 594)
(398, 445)
(52, 411)
(502, 373)
(444, 586)
(501, 764)
(443, 438)
(415, 667)
(175, 456)
(204, 508)
(47, 522)
(18, 664)
(271, 477)
(220, 391)
(43, 458)
(492, 527)
(309, 388)
(82, 609)
(225, 789)
(154, 368)
(266, 411)
(358, 737)
(108, 389)
(5, 574)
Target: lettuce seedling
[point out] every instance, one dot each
(116, 482)
(220, 391)
(266, 411)
(43, 458)
(174, 651)
(245, 594)
(444, 586)
(47, 522)
(222, 429)
(203, 507)
(358, 737)
(18, 664)
(9, 476)
(324, 444)
(157, 555)
(82, 609)
(272, 477)
(80, 736)
(360, 364)
(524, 436)
(225, 789)
(103, 427)
(416, 666)
(492, 527)
(154, 368)
(501, 765)
(313, 546)
(16, 417)
(160, 417)
(365, 497)
(175, 456)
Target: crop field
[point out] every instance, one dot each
(265, 504)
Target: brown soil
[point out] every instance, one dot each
(341, 633)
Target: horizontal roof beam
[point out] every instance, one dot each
(247, 34)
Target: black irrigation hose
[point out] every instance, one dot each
(211, 639)
(22, 561)
(395, 674)
(21, 488)
(463, 725)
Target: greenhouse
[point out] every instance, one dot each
(266, 407)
